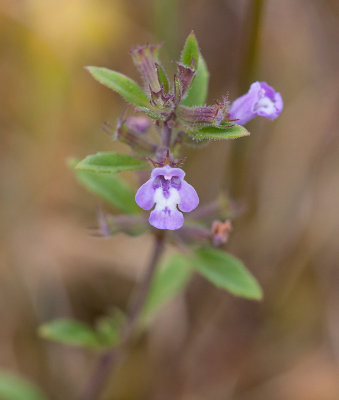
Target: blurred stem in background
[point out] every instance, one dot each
(111, 360)
(241, 149)
(166, 25)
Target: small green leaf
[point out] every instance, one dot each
(152, 114)
(109, 187)
(169, 280)
(162, 78)
(177, 89)
(227, 272)
(197, 93)
(224, 131)
(190, 53)
(109, 162)
(121, 84)
(109, 328)
(14, 388)
(70, 332)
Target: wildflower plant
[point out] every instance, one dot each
(170, 113)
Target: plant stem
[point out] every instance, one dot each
(166, 135)
(110, 360)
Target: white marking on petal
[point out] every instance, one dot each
(162, 202)
(265, 104)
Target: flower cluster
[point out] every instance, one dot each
(177, 107)
(166, 188)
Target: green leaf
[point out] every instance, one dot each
(70, 332)
(168, 280)
(224, 131)
(121, 84)
(152, 114)
(109, 328)
(15, 388)
(190, 52)
(109, 162)
(109, 187)
(197, 93)
(227, 272)
(162, 78)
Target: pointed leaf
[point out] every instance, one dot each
(169, 280)
(197, 93)
(109, 162)
(227, 272)
(224, 131)
(190, 53)
(121, 84)
(70, 332)
(152, 114)
(15, 388)
(109, 187)
(162, 77)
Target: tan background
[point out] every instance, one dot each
(206, 344)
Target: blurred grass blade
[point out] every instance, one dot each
(221, 132)
(197, 93)
(70, 332)
(121, 84)
(190, 52)
(110, 187)
(227, 272)
(168, 281)
(14, 388)
(109, 162)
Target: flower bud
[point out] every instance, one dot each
(260, 100)
(131, 131)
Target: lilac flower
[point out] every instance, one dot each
(167, 189)
(261, 100)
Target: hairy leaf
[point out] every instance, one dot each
(225, 131)
(190, 52)
(109, 162)
(197, 93)
(121, 84)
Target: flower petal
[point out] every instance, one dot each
(261, 100)
(168, 171)
(171, 219)
(189, 199)
(145, 195)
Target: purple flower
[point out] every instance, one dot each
(261, 100)
(167, 189)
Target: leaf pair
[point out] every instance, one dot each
(75, 333)
(220, 268)
(134, 94)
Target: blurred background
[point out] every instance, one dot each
(206, 344)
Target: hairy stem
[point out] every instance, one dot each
(166, 135)
(111, 360)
